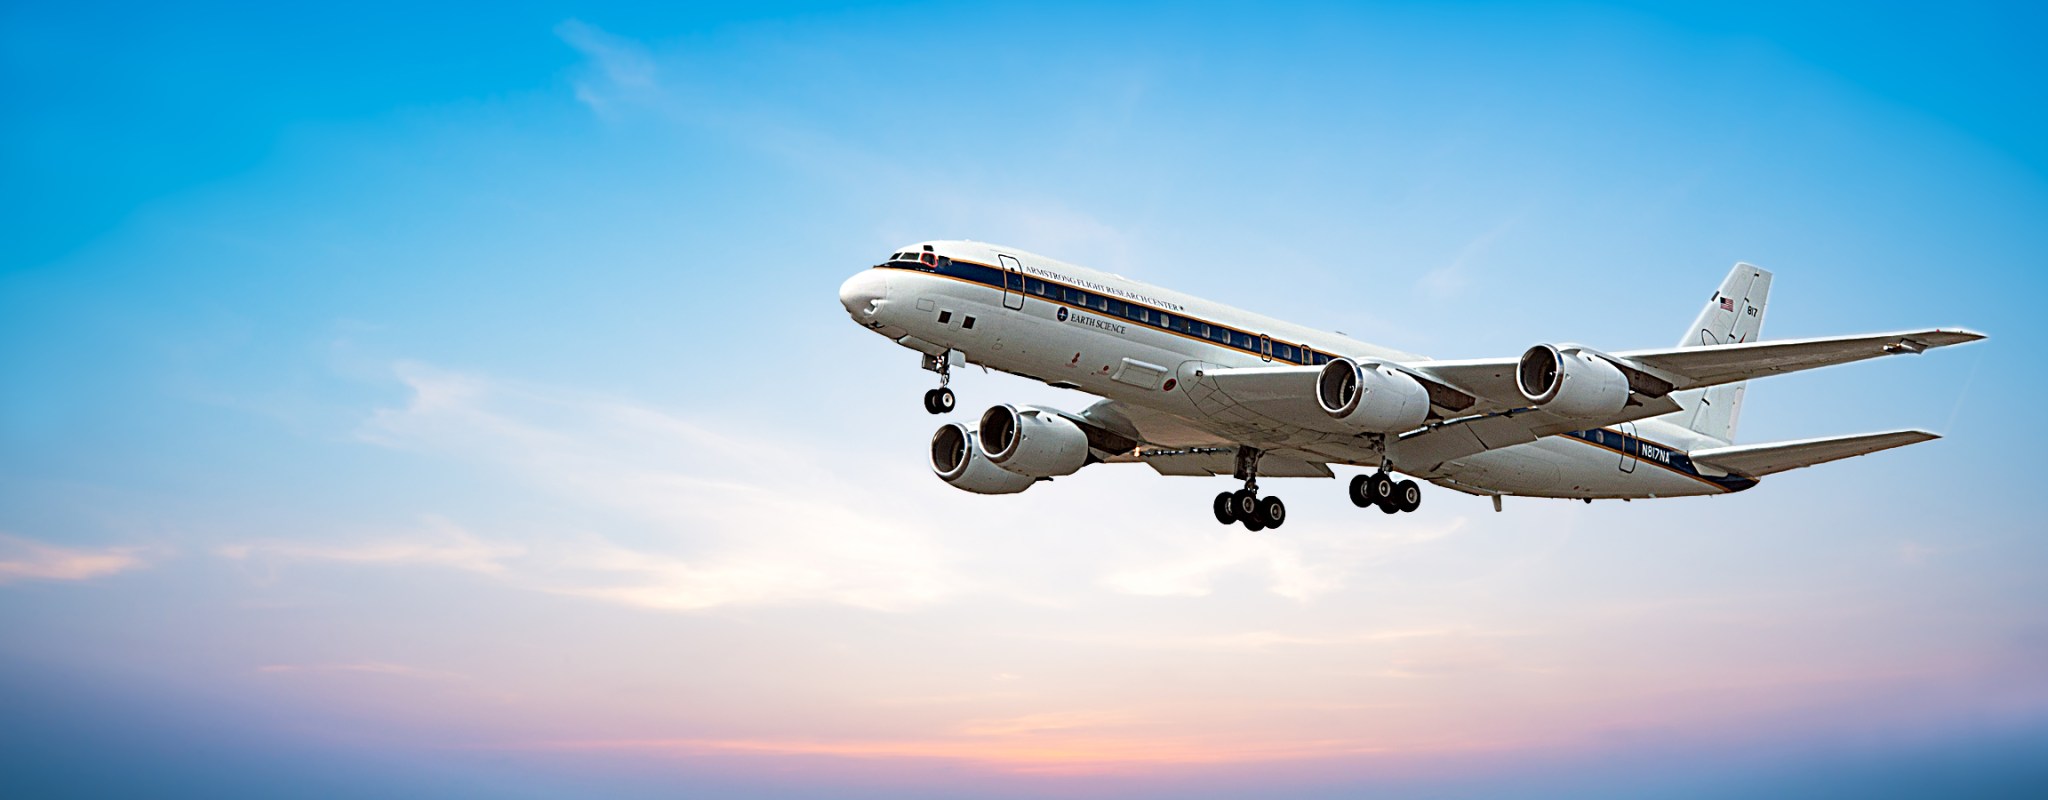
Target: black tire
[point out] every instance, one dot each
(1358, 496)
(1253, 524)
(1382, 491)
(943, 400)
(931, 401)
(1244, 504)
(1272, 512)
(1223, 513)
(1409, 495)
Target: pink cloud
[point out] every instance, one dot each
(28, 559)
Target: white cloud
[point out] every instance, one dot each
(718, 519)
(1300, 567)
(28, 559)
(1192, 573)
(622, 71)
(1452, 279)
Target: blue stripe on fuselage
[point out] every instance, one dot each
(1649, 452)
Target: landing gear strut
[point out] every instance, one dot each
(1245, 505)
(940, 400)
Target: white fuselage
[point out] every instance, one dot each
(1147, 348)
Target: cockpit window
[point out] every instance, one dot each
(926, 261)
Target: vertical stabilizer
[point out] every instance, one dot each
(1735, 314)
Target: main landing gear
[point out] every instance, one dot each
(1380, 489)
(940, 400)
(1245, 505)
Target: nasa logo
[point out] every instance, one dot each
(1063, 313)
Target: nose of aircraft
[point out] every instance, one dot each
(863, 292)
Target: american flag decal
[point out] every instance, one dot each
(1727, 304)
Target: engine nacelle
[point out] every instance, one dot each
(1571, 382)
(1371, 398)
(957, 460)
(1033, 441)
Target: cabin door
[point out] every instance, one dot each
(1013, 283)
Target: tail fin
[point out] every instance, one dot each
(1733, 315)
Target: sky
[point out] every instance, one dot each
(424, 400)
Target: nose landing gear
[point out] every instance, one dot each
(940, 400)
(1245, 505)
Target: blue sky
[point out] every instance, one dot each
(455, 400)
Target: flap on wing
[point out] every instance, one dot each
(1429, 448)
(1758, 460)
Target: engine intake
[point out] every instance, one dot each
(1033, 441)
(1571, 382)
(1371, 398)
(957, 460)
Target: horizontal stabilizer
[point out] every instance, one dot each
(1758, 460)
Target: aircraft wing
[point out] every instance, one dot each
(1696, 367)
(1490, 382)
(1499, 416)
(1758, 460)
(1478, 406)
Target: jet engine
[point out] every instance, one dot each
(1032, 441)
(957, 460)
(1371, 398)
(1571, 382)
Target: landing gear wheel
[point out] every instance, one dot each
(1223, 504)
(931, 402)
(1380, 489)
(1408, 495)
(1254, 524)
(1244, 504)
(1272, 512)
(1359, 495)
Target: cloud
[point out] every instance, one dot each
(443, 544)
(620, 70)
(1451, 279)
(1030, 750)
(1191, 574)
(358, 668)
(713, 516)
(28, 559)
(1288, 565)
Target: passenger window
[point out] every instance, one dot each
(968, 323)
(945, 317)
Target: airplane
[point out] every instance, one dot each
(1196, 388)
